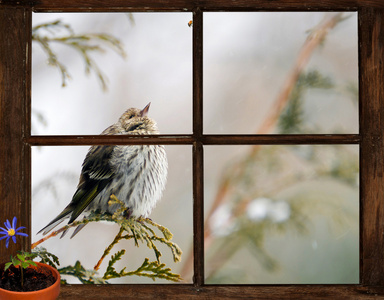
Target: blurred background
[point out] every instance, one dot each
(275, 214)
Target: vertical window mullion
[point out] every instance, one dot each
(371, 62)
(15, 63)
(198, 175)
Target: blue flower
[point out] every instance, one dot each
(11, 231)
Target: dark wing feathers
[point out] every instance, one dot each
(96, 164)
(96, 174)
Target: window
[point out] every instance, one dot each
(156, 69)
(16, 142)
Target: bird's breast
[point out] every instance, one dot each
(140, 177)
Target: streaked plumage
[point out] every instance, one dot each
(135, 174)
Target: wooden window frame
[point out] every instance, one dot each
(16, 140)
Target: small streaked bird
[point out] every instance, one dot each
(135, 174)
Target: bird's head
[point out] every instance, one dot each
(136, 121)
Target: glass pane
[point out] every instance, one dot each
(282, 214)
(55, 174)
(157, 68)
(280, 72)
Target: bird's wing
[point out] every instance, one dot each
(96, 174)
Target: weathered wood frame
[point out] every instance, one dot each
(16, 141)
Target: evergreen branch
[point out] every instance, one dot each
(51, 27)
(93, 217)
(85, 276)
(46, 257)
(109, 248)
(149, 269)
(137, 229)
(140, 231)
(85, 44)
(176, 251)
(111, 272)
(52, 59)
(167, 234)
(292, 116)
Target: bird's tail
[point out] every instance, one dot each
(56, 221)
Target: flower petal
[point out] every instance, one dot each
(14, 238)
(21, 227)
(7, 224)
(4, 237)
(21, 233)
(5, 230)
(7, 242)
(14, 221)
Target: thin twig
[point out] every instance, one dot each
(106, 251)
(54, 233)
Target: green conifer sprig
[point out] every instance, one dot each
(85, 276)
(46, 257)
(85, 44)
(149, 269)
(292, 118)
(141, 230)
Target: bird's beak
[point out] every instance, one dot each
(144, 112)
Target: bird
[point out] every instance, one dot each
(135, 174)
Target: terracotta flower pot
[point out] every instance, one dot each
(49, 293)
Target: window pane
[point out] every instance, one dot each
(157, 69)
(280, 72)
(282, 214)
(55, 173)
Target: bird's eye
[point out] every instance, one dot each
(131, 116)
(134, 127)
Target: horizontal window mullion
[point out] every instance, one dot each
(205, 139)
(82, 140)
(187, 5)
(281, 139)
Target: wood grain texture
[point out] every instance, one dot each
(198, 154)
(190, 5)
(198, 215)
(197, 74)
(226, 292)
(85, 140)
(209, 139)
(371, 22)
(204, 5)
(15, 31)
